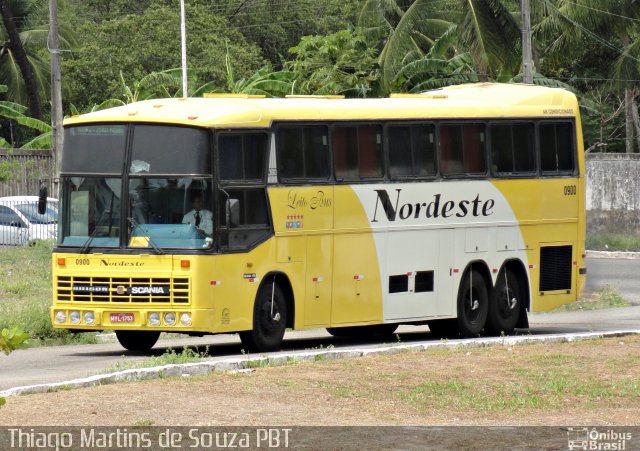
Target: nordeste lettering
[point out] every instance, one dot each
(435, 207)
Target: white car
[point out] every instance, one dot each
(20, 223)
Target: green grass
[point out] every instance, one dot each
(25, 295)
(606, 297)
(613, 242)
(170, 356)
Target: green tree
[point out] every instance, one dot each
(402, 32)
(340, 63)
(493, 38)
(610, 24)
(441, 66)
(14, 54)
(138, 45)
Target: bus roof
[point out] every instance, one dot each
(478, 100)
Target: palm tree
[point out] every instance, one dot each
(400, 32)
(488, 33)
(443, 65)
(16, 113)
(565, 22)
(13, 54)
(492, 36)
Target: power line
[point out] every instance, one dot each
(602, 11)
(589, 33)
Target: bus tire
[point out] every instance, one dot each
(268, 330)
(363, 331)
(473, 304)
(505, 305)
(137, 340)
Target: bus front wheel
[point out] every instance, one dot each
(473, 304)
(137, 340)
(504, 305)
(269, 320)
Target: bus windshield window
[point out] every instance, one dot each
(91, 215)
(94, 149)
(159, 149)
(170, 213)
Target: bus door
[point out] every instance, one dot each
(444, 280)
(318, 280)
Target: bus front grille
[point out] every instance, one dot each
(155, 290)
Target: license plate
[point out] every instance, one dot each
(121, 317)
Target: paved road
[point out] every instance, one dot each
(622, 274)
(61, 363)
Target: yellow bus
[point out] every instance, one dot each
(461, 208)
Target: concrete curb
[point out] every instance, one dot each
(283, 358)
(613, 254)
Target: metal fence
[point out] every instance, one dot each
(22, 172)
(21, 224)
(24, 169)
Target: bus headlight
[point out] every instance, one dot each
(74, 317)
(169, 318)
(88, 318)
(61, 316)
(185, 319)
(154, 319)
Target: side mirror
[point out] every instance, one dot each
(232, 211)
(42, 199)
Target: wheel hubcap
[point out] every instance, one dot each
(270, 321)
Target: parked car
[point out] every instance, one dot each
(20, 223)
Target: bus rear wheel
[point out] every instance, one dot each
(137, 340)
(505, 304)
(269, 320)
(473, 304)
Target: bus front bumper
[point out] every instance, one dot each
(165, 320)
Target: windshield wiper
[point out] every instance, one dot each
(85, 246)
(135, 224)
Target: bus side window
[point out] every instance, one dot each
(512, 148)
(450, 150)
(241, 157)
(411, 151)
(474, 159)
(344, 145)
(462, 149)
(370, 151)
(556, 147)
(303, 152)
(400, 161)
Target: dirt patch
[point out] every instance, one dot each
(586, 383)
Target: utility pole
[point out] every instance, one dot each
(527, 57)
(183, 38)
(56, 87)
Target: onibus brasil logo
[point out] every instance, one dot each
(591, 439)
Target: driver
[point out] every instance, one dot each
(200, 218)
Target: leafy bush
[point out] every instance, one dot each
(11, 339)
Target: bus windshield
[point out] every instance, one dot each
(170, 213)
